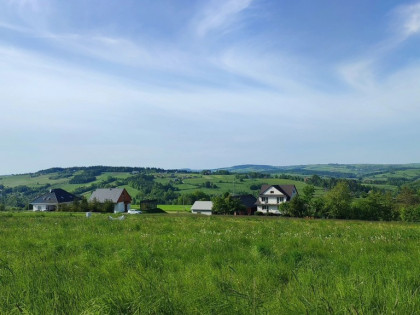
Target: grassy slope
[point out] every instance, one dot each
(65, 263)
(191, 182)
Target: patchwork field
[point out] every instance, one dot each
(185, 264)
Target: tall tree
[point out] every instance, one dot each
(338, 201)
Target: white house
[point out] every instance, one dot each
(119, 197)
(52, 200)
(202, 207)
(272, 196)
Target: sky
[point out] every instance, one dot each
(207, 84)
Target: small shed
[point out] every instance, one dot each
(119, 197)
(148, 205)
(202, 207)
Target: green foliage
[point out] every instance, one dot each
(190, 198)
(255, 186)
(87, 176)
(208, 184)
(298, 207)
(225, 204)
(375, 206)
(338, 201)
(408, 197)
(107, 206)
(410, 213)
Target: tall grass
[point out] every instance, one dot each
(66, 263)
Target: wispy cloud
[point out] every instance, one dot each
(31, 4)
(408, 20)
(219, 14)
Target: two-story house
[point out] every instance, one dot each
(272, 196)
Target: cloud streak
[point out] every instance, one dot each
(205, 99)
(218, 15)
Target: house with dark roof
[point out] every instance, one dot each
(248, 201)
(272, 196)
(118, 196)
(52, 200)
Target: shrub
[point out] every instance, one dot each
(410, 214)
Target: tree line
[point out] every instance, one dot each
(340, 203)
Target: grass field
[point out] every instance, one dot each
(185, 264)
(175, 208)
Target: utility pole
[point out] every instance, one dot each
(2, 205)
(233, 184)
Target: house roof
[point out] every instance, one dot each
(285, 189)
(202, 205)
(55, 196)
(247, 200)
(104, 194)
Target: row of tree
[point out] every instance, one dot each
(83, 205)
(339, 203)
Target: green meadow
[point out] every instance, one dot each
(64, 263)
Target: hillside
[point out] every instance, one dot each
(335, 170)
(174, 186)
(167, 186)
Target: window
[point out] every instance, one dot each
(280, 199)
(272, 192)
(264, 207)
(264, 199)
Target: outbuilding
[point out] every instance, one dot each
(202, 207)
(118, 196)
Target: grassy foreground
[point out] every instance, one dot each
(66, 263)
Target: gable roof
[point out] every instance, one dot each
(202, 205)
(104, 194)
(247, 200)
(55, 196)
(285, 189)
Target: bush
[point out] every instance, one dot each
(410, 214)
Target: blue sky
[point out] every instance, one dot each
(206, 84)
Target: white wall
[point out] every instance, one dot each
(119, 207)
(270, 209)
(39, 207)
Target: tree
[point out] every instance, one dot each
(338, 201)
(410, 213)
(376, 206)
(225, 204)
(297, 207)
(84, 205)
(308, 193)
(408, 197)
(318, 209)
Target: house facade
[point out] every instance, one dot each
(118, 196)
(272, 196)
(52, 200)
(202, 207)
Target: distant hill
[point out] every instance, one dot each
(167, 186)
(331, 170)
